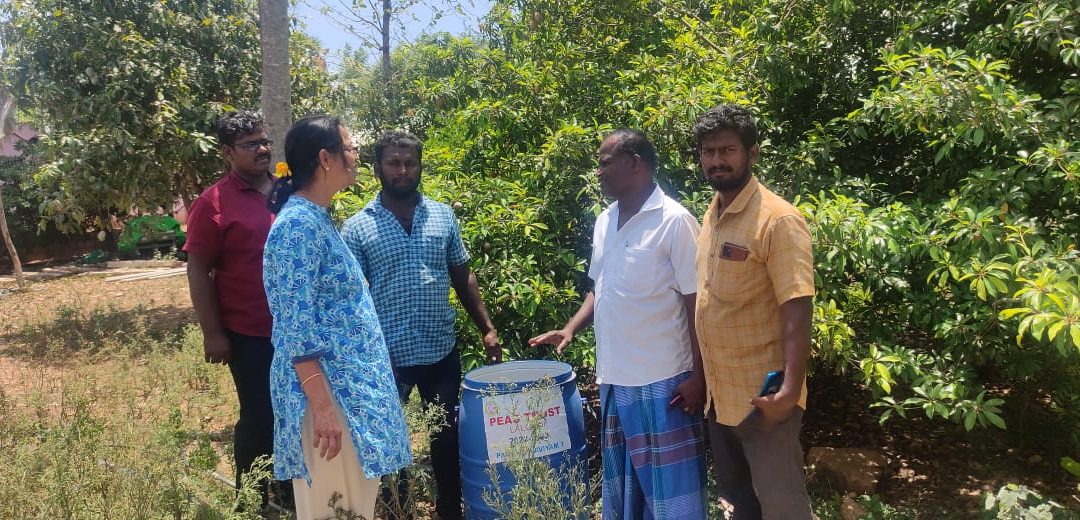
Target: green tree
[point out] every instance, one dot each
(931, 145)
(128, 92)
(512, 122)
(940, 133)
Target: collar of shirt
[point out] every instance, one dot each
(655, 201)
(748, 192)
(242, 184)
(377, 205)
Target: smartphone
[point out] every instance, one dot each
(773, 381)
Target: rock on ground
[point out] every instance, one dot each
(847, 469)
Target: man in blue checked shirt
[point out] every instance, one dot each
(410, 249)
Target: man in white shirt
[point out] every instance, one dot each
(652, 387)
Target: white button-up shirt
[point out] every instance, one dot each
(641, 273)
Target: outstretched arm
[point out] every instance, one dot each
(562, 337)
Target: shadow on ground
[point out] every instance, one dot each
(71, 330)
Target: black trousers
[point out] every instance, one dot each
(254, 433)
(440, 383)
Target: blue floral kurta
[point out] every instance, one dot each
(322, 309)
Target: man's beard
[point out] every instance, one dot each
(399, 191)
(732, 184)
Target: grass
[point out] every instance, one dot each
(111, 331)
(129, 437)
(107, 410)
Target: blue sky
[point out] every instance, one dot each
(458, 17)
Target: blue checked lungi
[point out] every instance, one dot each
(653, 453)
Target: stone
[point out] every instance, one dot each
(851, 470)
(852, 510)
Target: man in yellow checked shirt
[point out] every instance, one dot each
(755, 276)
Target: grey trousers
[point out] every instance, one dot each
(759, 471)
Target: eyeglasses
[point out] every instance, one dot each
(351, 149)
(252, 146)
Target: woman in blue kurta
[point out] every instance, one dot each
(338, 425)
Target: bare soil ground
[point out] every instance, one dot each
(163, 303)
(936, 467)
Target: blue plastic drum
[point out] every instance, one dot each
(518, 409)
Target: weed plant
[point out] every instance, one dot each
(837, 506)
(538, 490)
(127, 437)
(404, 493)
(1017, 502)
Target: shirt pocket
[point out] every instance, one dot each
(641, 268)
(733, 280)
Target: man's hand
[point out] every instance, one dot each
(691, 394)
(492, 347)
(216, 349)
(560, 338)
(775, 408)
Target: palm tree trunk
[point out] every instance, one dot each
(276, 98)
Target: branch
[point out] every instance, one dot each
(347, 11)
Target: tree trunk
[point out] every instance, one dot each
(386, 45)
(10, 245)
(7, 106)
(276, 98)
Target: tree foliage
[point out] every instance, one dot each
(931, 144)
(128, 94)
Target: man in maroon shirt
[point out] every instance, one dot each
(227, 230)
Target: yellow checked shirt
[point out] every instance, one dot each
(751, 259)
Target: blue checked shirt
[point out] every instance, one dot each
(410, 276)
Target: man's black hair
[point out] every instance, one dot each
(398, 139)
(633, 142)
(727, 117)
(238, 124)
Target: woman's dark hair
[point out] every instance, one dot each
(303, 142)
